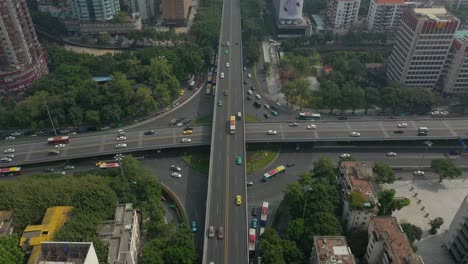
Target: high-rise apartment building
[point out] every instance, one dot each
(331, 249)
(455, 74)
(342, 14)
(456, 239)
(388, 243)
(421, 46)
(95, 10)
(358, 198)
(385, 15)
(145, 8)
(175, 12)
(22, 58)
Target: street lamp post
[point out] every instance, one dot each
(306, 190)
(428, 144)
(119, 157)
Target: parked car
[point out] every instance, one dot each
(175, 168)
(391, 154)
(418, 173)
(176, 175)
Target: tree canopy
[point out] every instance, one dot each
(388, 202)
(383, 173)
(446, 168)
(10, 252)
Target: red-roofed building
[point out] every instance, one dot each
(358, 198)
(388, 243)
(331, 249)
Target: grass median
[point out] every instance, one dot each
(259, 156)
(249, 118)
(203, 120)
(198, 159)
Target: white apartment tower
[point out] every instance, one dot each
(95, 10)
(342, 14)
(456, 239)
(455, 79)
(421, 46)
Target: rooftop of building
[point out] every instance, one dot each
(462, 35)
(67, 252)
(390, 231)
(118, 232)
(439, 14)
(389, 2)
(332, 249)
(319, 22)
(358, 176)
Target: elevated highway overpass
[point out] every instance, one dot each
(35, 150)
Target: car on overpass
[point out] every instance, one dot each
(355, 134)
(211, 232)
(293, 124)
(10, 150)
(238, 200)
(345, 155)
(311, 127)
(391, 154)
(187, 131)
(120, 145)
(149, 132)
(176, 175)
(121, 138)
(60, 146)
(402, 125)
(185, 140)
(220, 232)
(272, 132)
(175, 168)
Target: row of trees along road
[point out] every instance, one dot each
(94, 196)
(255, 21)
(349, 86)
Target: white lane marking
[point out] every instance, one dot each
(449, 128)
(103, 140)
(383, 130)
(348, 126)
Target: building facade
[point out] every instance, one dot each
(145, 8)
(175, 12)
(385, 15)
(456, 239)
(421, 47)
(388, 243)
(455, 74)
(358, 198)
(22, 58)
(95, 10)
(342, 14)
(331, 249)
(123, 235)
(67, 252)
(114, 28)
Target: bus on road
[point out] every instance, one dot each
(106, 165)
(58, 140)
(12, 171)
(232, 125)
(278, 170)
(308, 116)
(252, 240)
(210, 77)
(264, 215)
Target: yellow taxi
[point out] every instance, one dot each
(182, 92)
(238, 200)
(188, 132)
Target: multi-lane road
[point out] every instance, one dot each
(36, 151)
(226, 178)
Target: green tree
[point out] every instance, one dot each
(331, 95)
(10, 252)
(388, 202)
(446, 168)
(435, 224)
(92, 117)
(322, 224)
(383, 173)
(291, 253)
(413, 232)
(298, 90)
(464, 100)
(271, 247)
(296, 229)
(104, 38)
(371, 98)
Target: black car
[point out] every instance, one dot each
(249, 97)
(257, 104)
(290, 165)
(187, 121)
(252, 88)
(149, 132)
(274, 107)
(245, 82)
(342, 118)
(254, 211)
(398, 131)
(455, 152)
(266, 116)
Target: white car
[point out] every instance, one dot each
(391, 154)
(355, 134)
(402, 125)
(10, 138)
(249, 75)
(271, 132)
(258, 96)
(5, 159)
(435, 112)
(10, 156)
(249, 92)
(10, 150)
(245, 68)
(293, 124)
(227, 64)
(120, 138)
(175, 168)
(186, 140)
(60, 146)
(227, 43)
(311, 127)
(121, 145)
(16, 134)
(266, 106)
(222, 75)
(176, 175)
(345, 155)
(444, 112)
(418, 173)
